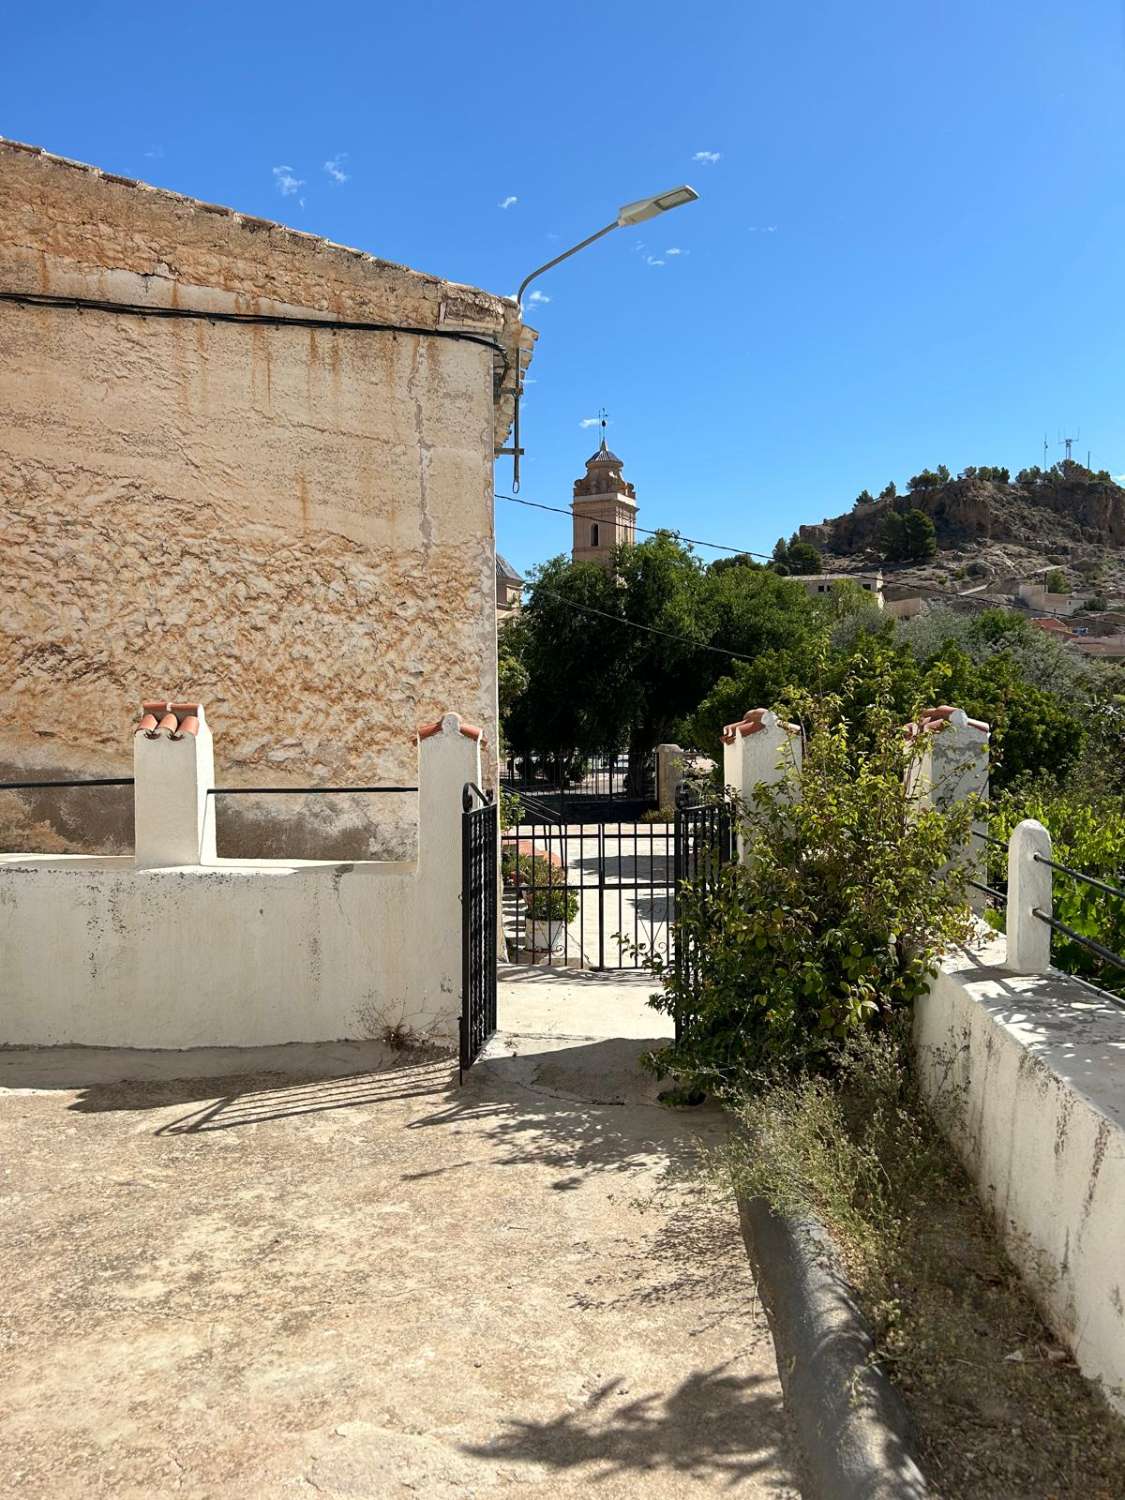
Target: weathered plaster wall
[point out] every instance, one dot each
(293, 525)
(1035, 1070)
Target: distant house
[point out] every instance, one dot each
(1111, 646)
(824, 583)
(1037, 596)
(509, 587)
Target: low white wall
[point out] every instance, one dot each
(110, 952)
(1038, 1064)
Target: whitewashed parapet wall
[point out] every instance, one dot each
(174, 948)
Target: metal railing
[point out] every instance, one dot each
(38, 786)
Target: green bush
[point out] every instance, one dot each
(552, 902)
(831, 926)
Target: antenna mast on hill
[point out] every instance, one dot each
(1044, 450)
(1067, 443)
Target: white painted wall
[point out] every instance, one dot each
(1040, 1065)
(104, 952)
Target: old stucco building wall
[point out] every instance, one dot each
(293, 525)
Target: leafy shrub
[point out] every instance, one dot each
(510, 810)
(552, 902)
(1097, 603)
(1055, 581)
(834, 922)
(658, 815)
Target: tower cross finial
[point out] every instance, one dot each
(603, 417)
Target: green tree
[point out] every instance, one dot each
(927, 479)
(618, 658)
(892, 536)
(804, 558)
(1055, 581)
(865, 497)
(920, 535)
(780, 555)
(889, 491)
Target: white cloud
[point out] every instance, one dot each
(653, 260)
(287, 183)
(155, 151)
(539, 297)
(1118, 478)
(675, 250)
(335, 167)
(763, 228)
(508, 201)
(707, 158)
(591, 422)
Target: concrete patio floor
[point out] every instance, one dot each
(354, 1279)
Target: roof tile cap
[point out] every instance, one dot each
(753, 722)
(933, 719)
(449, 724)
(174, 719)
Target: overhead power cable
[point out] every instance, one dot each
(648, 530)
(256, 320)
(670, 635)
(934, 593)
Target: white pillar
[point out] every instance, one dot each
(448, 757)
(951, 766)
(760, 750)
(173, 770)
(1029, 887)
(669, 774)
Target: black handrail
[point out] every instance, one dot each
(30, 786)
(298, 791)
(988, 890)
(987, 838)
(1112, 890)
(1106, 954)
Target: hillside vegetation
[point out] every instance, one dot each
(1067, 516)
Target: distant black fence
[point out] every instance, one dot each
(584, 788)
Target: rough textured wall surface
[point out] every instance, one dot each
(293, 525)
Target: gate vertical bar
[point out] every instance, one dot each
(480, 833)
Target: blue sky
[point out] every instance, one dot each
(908, 250)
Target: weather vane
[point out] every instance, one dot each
(603, 417)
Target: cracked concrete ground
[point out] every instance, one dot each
(352, 1278)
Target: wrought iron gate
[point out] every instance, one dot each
(705, 842)
(479, 936)
(585, 895)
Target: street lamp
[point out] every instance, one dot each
(629, 213)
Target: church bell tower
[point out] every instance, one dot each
(604, 509)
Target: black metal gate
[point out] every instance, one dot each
(583, 788)
(585, 894)
(706, 839)
(479, 936)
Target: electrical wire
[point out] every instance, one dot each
(648, 530)
(258, 320)
(934, 594)
(670, 635)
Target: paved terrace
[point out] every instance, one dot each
(353, 1279)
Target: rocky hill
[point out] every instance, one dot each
(1065, 517)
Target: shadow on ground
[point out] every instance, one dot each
(713, 1425)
